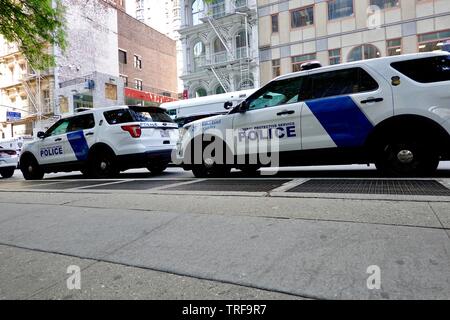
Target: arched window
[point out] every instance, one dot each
(246, 84)
(220, 52)
(200, 92)
(219, 89)
(199, 54)
(198, 8)
(366, 51)
(241, 44)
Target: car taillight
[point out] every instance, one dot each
(134, 130)
(7, 153)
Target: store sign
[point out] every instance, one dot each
(146, 96)
(13, 116)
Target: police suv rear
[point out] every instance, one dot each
(102, 142)
(391, 111)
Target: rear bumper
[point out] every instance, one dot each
(140, 160)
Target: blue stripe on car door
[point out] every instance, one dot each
(79, 145)
(343, 120)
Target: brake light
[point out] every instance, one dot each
(134, 130)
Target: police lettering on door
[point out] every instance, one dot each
(51, 151)
(268, 132)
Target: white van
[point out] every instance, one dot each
(204, 106)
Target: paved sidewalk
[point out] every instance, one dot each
(311, 248)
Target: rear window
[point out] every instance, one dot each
(149, 114)
(425, 70)
(137, 114)
(118, 116)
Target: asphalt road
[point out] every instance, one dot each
(175, 237)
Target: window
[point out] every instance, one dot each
(394, 47)
(434, 41)
(297, 61)
(219, 90)
(118, 116)
(364, 52)
(122, 57)
(137, 62)
(383, 4)
(335, 56)
(276, 68)
(198, 8)
(241, 44)
(425, 70)
(339, 9)
(199, 54)
(125, 80)
(83, 122)
(58, 128)
(149, 114)
(220, 53)
(302, 17)
(275, 23)
(276, 93)
(340, 82)
(138, 84)
(200, 92)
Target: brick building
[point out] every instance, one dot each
(147, 62)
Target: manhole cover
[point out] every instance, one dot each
(396, 187)
(248, 185)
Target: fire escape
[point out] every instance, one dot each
(233, 57)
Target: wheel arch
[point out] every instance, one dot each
(99, 146)
(411, 123)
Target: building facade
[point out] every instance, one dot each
(163, 16)
(220, 46)
(293, 32)
(147, 62)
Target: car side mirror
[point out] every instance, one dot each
(243, 107)
(228, 105)
(41, 135)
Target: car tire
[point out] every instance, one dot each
(31, 169)
(7, 172)
(407, 157)
(102, 165)
(157, 169)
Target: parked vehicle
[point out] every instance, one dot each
(102, 142)
(8, 162)
(391, 111)
(204, 106)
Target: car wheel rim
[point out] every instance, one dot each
(405, 156)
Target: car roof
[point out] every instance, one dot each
(370, 62)
(112, 108)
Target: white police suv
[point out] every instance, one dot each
(102, 142)
(391, 111)
(8, 162)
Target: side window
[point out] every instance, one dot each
(83, 122)
(340, 82)
(118, 116)
(58, 128)
(425, 70)
(276, 93)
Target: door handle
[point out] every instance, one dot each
(285, 112)
(58, 139)
(372, 100)
(89, 134)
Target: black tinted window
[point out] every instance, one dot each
(83, 122)
(149, 114)
(118, 116)
(425, 70)
(339, 82)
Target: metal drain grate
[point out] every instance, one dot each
(248, 185)
(396, 187)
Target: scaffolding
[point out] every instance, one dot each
(234, 57)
